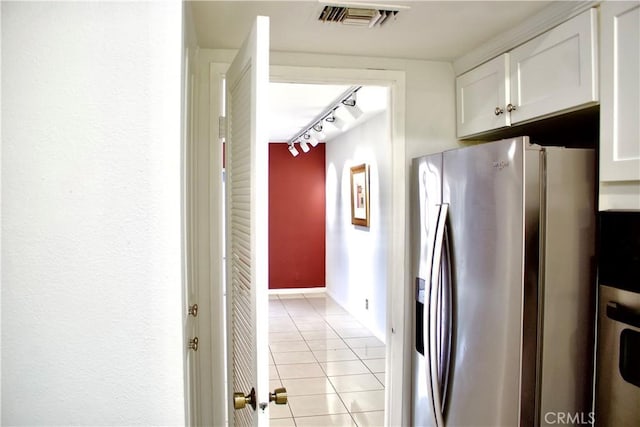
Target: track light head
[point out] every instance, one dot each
(351, 107)
(310, 139)
(335, 121)
(292, 149)
(350, 101)
(304, 145)
(317, 129)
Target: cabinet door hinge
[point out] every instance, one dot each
(222, 126)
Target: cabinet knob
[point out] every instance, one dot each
(499, 111)
(511, 108)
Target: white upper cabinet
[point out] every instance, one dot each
(620, 103)
(620, 106)
(482, 95)
(557, 70)
(547, 75)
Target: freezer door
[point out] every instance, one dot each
(484, 187)
(425, 206)
(567, 279)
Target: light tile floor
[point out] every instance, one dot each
(331, 365)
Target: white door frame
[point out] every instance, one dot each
(397, 386)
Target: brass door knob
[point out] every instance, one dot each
(240, 400)
(279, 396)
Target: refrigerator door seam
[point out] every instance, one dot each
(542, 232)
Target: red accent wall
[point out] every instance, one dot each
(296, 218)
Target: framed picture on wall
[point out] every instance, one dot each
(360, 195)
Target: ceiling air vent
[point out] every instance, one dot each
(359, 16)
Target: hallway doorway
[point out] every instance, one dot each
(329, 346)
(394, 323)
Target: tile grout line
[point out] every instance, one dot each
(355, 353)
(278, 372)
(352, 349)
(353, 420)
(326, 376)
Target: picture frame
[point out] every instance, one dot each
(360, 195)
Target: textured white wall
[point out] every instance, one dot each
(91, 250)
(357, 257)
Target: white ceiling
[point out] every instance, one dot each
(436, 30)
(431, 30)
(293, 107)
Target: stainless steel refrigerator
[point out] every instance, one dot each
(503, 245)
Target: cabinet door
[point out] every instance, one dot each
(555, 71)
(620, 104)
(481, 98)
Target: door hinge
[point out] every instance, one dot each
(193, 344)
(222, 126)
(193, 310)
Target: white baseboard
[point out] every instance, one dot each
(288, 291)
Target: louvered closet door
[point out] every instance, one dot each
(247, 202)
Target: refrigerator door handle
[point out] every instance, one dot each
(435, 313)
(620, 313)
(428, 321)
(446, 317)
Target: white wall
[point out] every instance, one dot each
(357, 257)
(198, 391)
(91, 172)
(430, 98)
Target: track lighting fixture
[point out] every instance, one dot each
(310, 139)
(335, 121)
(351, 107)
(314, 132)
(317, 129)
(350, 101)
(331, 118)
